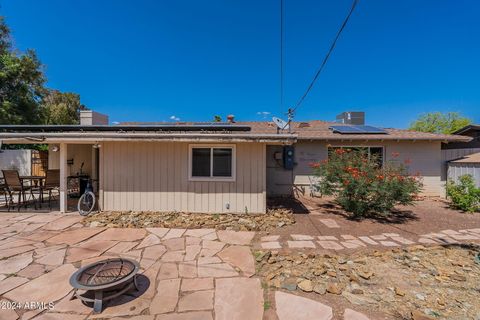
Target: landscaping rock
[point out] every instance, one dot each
(306, 285)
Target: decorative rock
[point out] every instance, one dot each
(289, 284)
(305, 285)
(334, 288)
(320, 289)
(417, 315)
(289, 306)
(399, 292)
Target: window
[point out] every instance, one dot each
(376, 152)
(212, 163)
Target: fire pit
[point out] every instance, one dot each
(104, 280)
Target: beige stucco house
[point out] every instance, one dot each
(204, 167)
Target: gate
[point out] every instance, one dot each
(39, 162)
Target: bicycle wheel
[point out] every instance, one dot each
(86, 203)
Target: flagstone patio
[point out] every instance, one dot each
(185, 274)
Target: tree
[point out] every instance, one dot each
(217, 118)
(61, 108)
(24, 99)
(21, 83)
(438, 122)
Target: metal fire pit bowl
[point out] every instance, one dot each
(104, 280)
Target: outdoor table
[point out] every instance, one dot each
(35, 181)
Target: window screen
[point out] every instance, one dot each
(201, 162)
(222, 162)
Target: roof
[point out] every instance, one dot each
(474, 127)
(472, 158)
(319, 130)
(256, 130)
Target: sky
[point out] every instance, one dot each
(187, 60)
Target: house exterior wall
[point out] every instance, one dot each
(153, 176)
(20, 160)
(79, 153)
(423, 157)
(455, 170)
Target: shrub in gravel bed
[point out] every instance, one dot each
(225, 221)
(362, 186)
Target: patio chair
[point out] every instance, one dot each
(14, 185)
(52, 183)
(4, 192)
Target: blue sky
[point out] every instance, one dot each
(148, 60)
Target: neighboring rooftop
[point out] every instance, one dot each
(472, 158)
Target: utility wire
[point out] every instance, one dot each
(317, 74)
(281, 52)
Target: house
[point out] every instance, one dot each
(215, 167)
(463, 157)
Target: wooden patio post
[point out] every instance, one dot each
(63, 177)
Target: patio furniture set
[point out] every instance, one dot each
(25, 188)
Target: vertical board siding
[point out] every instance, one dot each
(456, 170)
(153, 176)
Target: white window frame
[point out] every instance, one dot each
(361, 146)
(212, 178)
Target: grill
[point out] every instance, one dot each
(104, 280)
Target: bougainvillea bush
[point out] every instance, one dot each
(362, 186)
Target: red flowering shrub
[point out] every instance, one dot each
(361, 186)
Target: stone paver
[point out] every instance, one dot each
(159, 232)
(62, 223)
(121, 234)
(270, 238)
(330, 245)
(238, 299)
(174, 233)
(74, 236)
(300, 237)
(368, 240)
(329, 223)
(241, 257)
(148, 241)
(196, 315)
(41, 288)
(300, 244)
(270, 245)
(197, 284)
(217, 270)
(15, 264)
(289, 306)
(167, 296)
(327, 238)
(54, 258)
(175, 244)
(389, 244)
(232, 237)
(196, 301)
(11, 283)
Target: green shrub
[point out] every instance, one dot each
(464, 194)
(361, 186)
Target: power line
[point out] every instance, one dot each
(317, 74)
(281, 52)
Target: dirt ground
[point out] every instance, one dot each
(425, 216)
